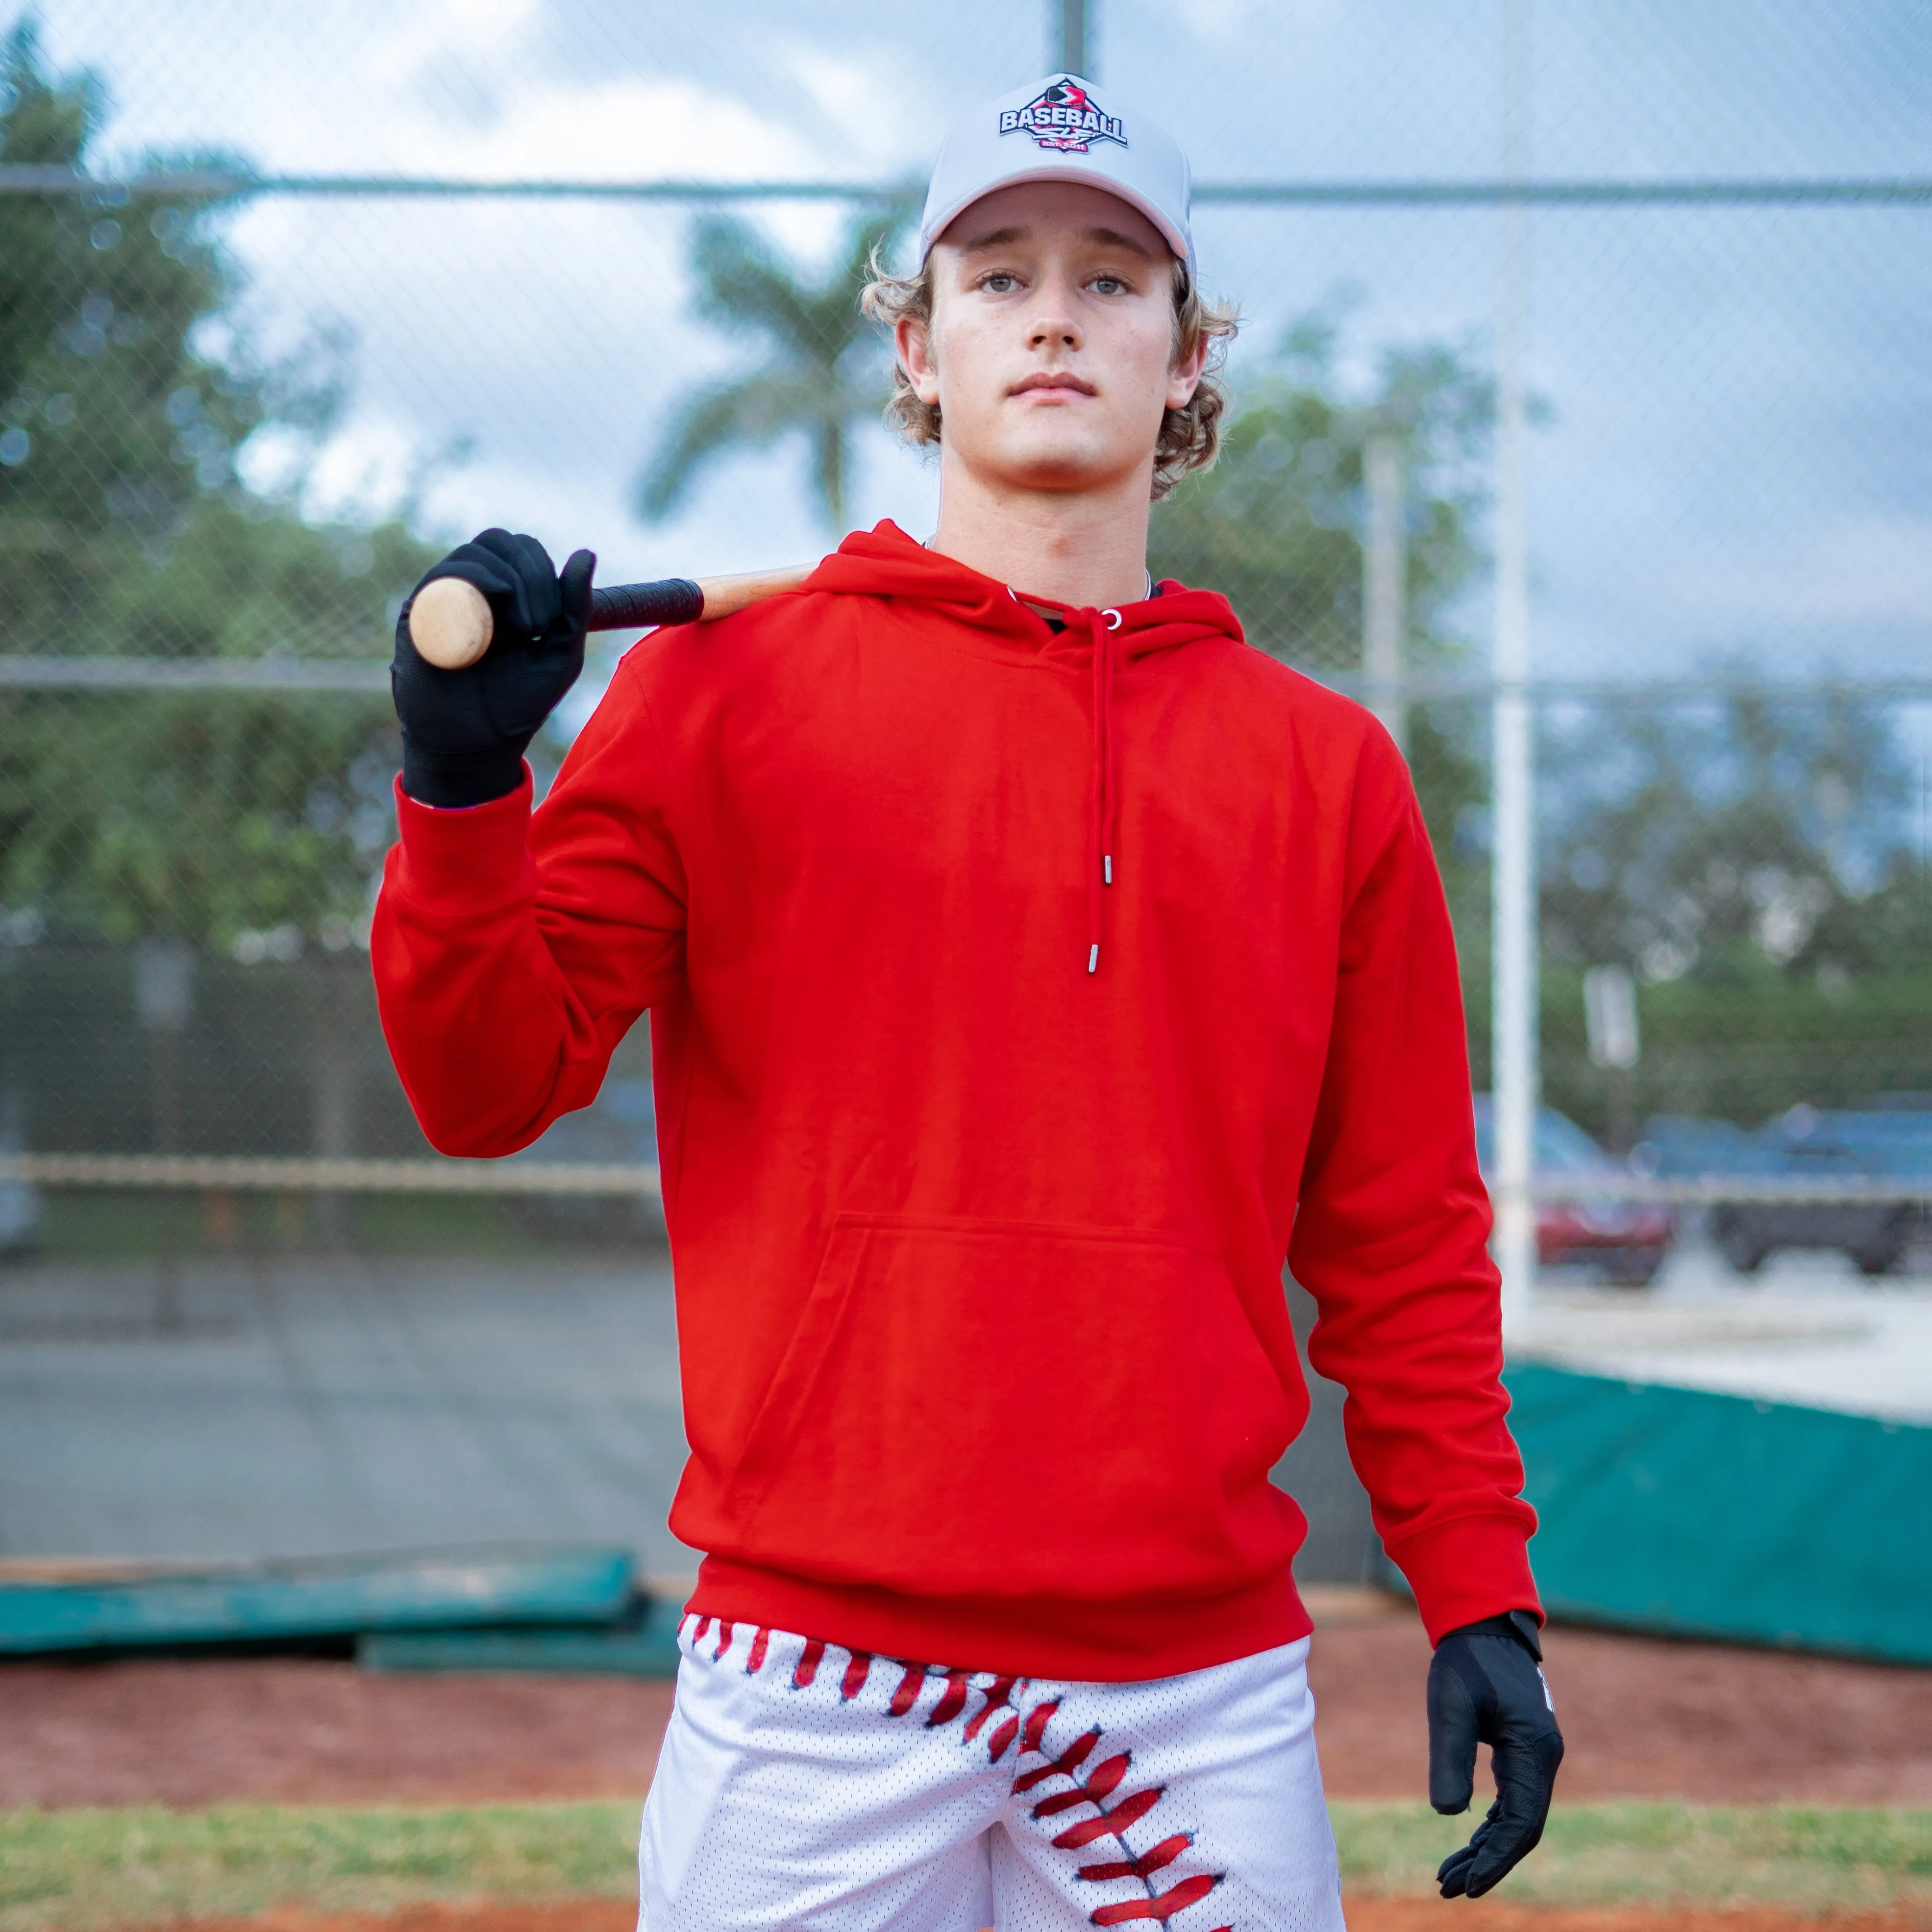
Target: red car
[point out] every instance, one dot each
(1623, 1242)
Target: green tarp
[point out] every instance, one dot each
(1701, 1515)
(268, 1601)
(644, 1644)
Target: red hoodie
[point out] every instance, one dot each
(981, 1170)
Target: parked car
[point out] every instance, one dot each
(1888, 1138)
(1683, 1147)
(1621, 1241)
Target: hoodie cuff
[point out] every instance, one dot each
(1463, 1571)
(469, 860)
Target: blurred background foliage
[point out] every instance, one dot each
(128, 385)
(1276, 526)
(1751, 860)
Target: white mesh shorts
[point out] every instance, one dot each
(802, 1786)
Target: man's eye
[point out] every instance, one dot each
(998, 285)
(1109, 285)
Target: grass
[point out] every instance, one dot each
(81, 1869)
(78, 1871)
(1805, 1859)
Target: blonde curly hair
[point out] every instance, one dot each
(1190, 437)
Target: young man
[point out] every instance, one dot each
(1034, 968)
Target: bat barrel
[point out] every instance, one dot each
(634, 606)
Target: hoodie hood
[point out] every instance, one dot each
(884, 561)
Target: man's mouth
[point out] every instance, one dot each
(1062, 381)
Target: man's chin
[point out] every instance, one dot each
(1057, 467)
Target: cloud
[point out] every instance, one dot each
(858, 101)
(405, 41)
(1224, 21)
(1873, 569)
(622, 129)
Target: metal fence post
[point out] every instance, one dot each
(1512, 1024)
(1067, 24)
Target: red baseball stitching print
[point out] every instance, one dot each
(952, 1699)
(1109, 1821)
(1095, 1788)
(999, 1697)
(907, 1695)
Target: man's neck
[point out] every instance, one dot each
(1085, 547)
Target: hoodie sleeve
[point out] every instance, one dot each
(1390, 1235)
(513, 951)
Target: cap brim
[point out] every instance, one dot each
(1062, 171)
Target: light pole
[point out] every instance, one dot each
(1513, 1020)
(1384, 570)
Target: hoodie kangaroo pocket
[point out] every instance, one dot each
(999, 1409)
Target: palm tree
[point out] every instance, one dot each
(824, 372)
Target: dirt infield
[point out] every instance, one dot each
(293, 1732)
(1365, 1915)
(1644, 1718)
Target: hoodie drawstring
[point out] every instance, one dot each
(1101, 625)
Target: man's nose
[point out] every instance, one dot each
(1053, 323)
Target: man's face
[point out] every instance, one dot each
(1051, 351)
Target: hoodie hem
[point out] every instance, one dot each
(1129, 1640)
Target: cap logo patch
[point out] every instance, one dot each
(1062, 117)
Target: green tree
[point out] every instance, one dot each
(823, 372)
(1723, 841)
(1276, 527)
(1747, 859)
(126, 392)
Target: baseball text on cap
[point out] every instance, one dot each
(1063, 116)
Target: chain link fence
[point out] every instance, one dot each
(255, 376)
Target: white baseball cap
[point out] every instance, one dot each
(1062, 128)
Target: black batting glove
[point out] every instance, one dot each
(465, 732)
(1485, 1686)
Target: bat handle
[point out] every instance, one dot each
(636, 607)
(451, 621)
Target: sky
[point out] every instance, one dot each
(1734, 463)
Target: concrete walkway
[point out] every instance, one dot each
(308, 1405)
(1808, 1329)
(291, 1405)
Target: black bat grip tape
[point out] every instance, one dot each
(635, 607)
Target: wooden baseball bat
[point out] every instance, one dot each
(451, 622)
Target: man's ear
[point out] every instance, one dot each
(1184, 378)
(912, 341)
